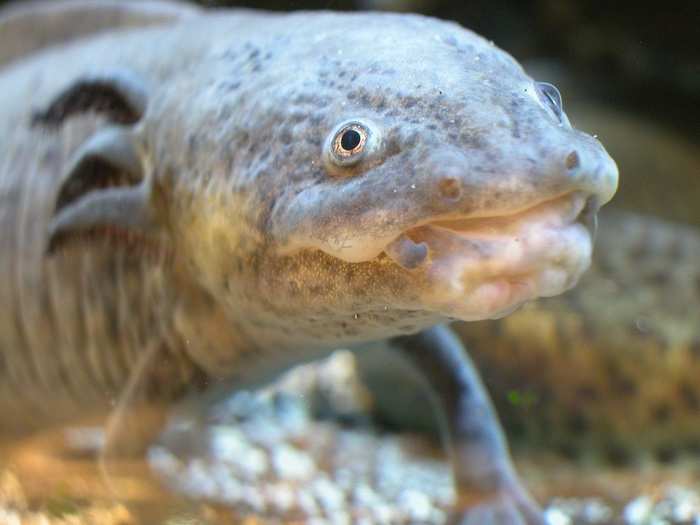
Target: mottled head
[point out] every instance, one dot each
(364, 165)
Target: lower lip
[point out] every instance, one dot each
(502, 296)
(477, 275)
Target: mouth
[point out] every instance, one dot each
(486, 267)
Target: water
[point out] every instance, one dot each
(596, 389)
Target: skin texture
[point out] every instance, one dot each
(178, 215)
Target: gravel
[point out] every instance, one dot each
(268, 458)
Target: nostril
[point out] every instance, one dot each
(450, 188)
(572, 160)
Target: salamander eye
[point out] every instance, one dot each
(353, 146)
(550, 95)
(349, 143)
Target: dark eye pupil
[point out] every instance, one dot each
(350, 140)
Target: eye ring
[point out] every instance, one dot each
(353, 146)
(349, 142)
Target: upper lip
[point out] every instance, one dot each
(583, 210)
(411, 253)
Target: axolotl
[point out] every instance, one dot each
(234, 191)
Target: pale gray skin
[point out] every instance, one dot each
(203, 222)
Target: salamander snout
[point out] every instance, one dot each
(592, 171)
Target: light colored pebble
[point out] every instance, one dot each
(85, 439)
(345, 478)
(365, 496)
(686, 507)
(638, 510)
(415, 505)
(590, 511)
(252, 498)
(239, 406)
(438, 516)
(328, 495)
(229, 489)
(554, 516)
(291, 463)
(197, 480)
(595, 511)
(163, 461)
(384, 513)
(8, 517)
(230, 446)
(685, 511)
(280, 497)
(226, 443)
(340, 518)
(307, 503)
(266, 433)
(292, 414)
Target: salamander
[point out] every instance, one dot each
(206, 195)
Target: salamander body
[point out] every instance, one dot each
(220, 194)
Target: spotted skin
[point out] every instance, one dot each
(195, 212)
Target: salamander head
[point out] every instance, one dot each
(406, 164)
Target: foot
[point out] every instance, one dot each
(506, 508)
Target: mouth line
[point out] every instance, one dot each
(411, 251)
(477, 268)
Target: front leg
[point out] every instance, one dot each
(488, 489)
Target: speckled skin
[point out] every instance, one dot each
(199, 222)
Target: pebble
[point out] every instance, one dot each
(253, 498)
(198, 480)
(590, 511)
(281, 497)
(278, 462)
(554, 516)
(228, 445)
(8, 517)
(415, 505)
(638, 510)
(364, 496)
(328, 495)
(307, 503)
(292, 464)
